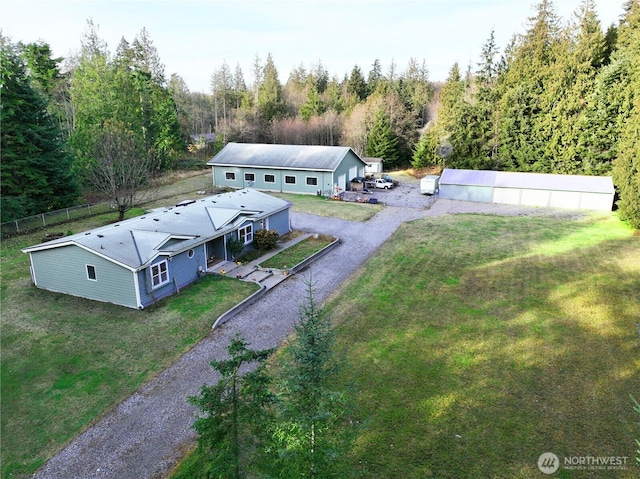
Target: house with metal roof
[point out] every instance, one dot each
(530, 189)
(314, 170)
(136, 262)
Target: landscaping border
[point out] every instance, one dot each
(318, 254)
(227, 315)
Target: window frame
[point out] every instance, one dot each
(245, 233)
(253, 177)
(89, 268)
(314, 178)
(272, 180)
(230, 175)
(287, 178)
(162, 268)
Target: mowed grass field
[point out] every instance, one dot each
(65, 361)
(480, 342)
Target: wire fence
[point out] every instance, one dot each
(195, 184)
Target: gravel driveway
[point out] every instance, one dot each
(145, 435)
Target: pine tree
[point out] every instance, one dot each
(235, 412)
(270, 102)
(626, 169)
(36, 170)
(312, 437)
(382, 142)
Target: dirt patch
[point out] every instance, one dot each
(451, 207)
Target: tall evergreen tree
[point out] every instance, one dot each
(270, 102)
(235, 412)
(312, 437)
(626, 169)
(356, 85)
(36, 169)
(136, 99)
(382, 142)
(528, 94)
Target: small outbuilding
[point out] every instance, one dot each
(528, 189)
(314, 170)
(374, 165)
(136, 262)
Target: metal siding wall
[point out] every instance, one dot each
(507, 196)
(535, 198)
(596, 201)
(479, 194)
(63, 270)
(565, 199)
(260, 184)
(219, 177)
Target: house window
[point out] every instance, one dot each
(230, 175)
(249, 177)
(91, 273)
(245, 234)
(159, 274)
(269, 178)
(312, 181)
(190, 253)
(290, 180)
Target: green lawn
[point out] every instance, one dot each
(65, 360)
(480, 342)
(298, 252)
(321, 206)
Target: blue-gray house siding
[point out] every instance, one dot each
(136, 262)
(64, 270)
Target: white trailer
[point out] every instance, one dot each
(429, 185)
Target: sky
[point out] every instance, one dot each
(195, 37)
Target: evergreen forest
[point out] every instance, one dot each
(563, 96)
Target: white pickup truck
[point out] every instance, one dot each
(379, 183)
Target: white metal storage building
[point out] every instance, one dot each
(529, 189)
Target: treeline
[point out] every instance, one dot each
(559, 98)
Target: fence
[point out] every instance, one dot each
(199, 183)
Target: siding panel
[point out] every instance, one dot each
(63, 270)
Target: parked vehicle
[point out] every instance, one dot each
(430, 185)
(380, 183)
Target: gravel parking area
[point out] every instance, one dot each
(145, 435)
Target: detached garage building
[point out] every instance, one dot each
(528, 189)
(313, 170)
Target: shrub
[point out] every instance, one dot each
(266, 239)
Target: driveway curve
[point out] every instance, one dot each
(144, 436)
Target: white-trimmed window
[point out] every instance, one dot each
(249, 177)
(159, 273)
(91, 273)
(312, 180)
(245, 234)
(290, 180)
(230, 175)
(269, 178)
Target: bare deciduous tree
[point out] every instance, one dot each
(121, 169)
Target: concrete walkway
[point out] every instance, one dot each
(252, 272)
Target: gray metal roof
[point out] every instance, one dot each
(468, 177)
(534, 181)
(135, 242)
(300, 157)
(544, 181)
